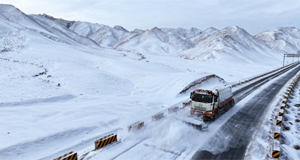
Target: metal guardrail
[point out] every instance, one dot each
(259, 76)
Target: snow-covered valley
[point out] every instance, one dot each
(66, 82)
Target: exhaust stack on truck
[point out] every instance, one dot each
(211, 103)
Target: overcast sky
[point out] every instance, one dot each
(253, 15)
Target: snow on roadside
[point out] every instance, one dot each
(257, 149)
(290, 136)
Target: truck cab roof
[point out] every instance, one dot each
(203, 91)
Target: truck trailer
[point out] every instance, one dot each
(211, 103)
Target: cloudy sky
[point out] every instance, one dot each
(253, 15)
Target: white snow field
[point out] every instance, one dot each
(61, 90)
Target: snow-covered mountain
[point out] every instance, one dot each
(103, 35)
(190, 43)
(286, 39)
(13, 15)
(182, 32)
(55, 26)
(162, 41)
(228, 42)
(155, 41)
(201, 35)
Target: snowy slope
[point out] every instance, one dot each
(63, 32)
(193, 32)
(231, 42)
(201, 35)
(14, 15)
(17, 19)
(286, 39)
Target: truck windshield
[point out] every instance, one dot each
(206, 98)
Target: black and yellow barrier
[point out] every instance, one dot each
(68, 156)
(277, 136)
(275, 150)
(280, 113)
(184, 104)
(275, 154)
(276, 132)
(282, 106)
(158, 116)
(105, 141)
(284, 102)
(136, 125)
(279, 121)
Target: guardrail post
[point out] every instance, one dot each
(105, 141)
(279, 121)
(157, 116)
(173, 109)
(136, 126)
(68, 156)
(276, 150)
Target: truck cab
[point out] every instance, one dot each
(211, 103)
(203, 102)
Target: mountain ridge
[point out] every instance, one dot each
(193, 43)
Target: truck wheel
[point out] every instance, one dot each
(227, 107)
(214, 117)
(232, 103)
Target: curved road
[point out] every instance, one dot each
(237, 132)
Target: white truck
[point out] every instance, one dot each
(211, 103)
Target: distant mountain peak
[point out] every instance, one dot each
(286, 39)
(7, 6)
(232, 28)
(47, 16)
(156, 29)
(120, 28)
(138, 31)
(193, 28)
(212, 28)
